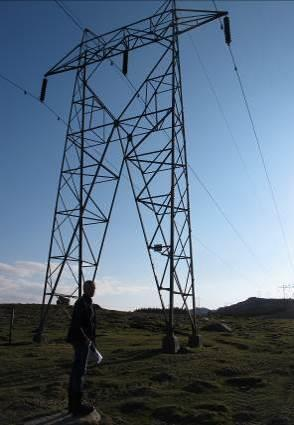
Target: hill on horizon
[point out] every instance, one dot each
(253, 306)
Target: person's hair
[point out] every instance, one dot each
(88, 283)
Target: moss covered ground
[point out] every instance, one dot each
(243, 377)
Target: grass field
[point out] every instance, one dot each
(243, 377)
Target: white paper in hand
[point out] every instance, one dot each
(94, 355)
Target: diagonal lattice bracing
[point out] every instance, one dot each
(147, 134)
(157, 165)
(89, 179)
(155, 29)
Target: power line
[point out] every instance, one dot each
(221, 110)
(75, 20)
(284, 287)
(216, 9)
(59, 118)
(79, 24)
(214, 3)
(27, 92)
(233, 227)
(222, 260)
(270, 186)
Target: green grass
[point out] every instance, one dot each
(246, 377)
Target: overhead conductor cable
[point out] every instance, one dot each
(228, 40)
(124, 72)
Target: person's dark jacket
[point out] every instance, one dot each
(83, 322)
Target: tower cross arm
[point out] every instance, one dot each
(154, 29)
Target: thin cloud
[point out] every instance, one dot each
(23, 281)
(108, 285)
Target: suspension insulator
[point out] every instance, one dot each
(43, 90)
(227, 30)
(125, 62)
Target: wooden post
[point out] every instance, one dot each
(11, 324)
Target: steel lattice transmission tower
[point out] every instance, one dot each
(148, 137)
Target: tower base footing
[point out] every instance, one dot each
(170, 344)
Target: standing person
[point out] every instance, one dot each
(81, 333)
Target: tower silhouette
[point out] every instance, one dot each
(147, 137)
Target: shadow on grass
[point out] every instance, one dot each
(132, 356)
(59, 418)
(16, 344)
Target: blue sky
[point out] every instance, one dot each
(34, 35)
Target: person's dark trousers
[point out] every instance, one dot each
(77, 377)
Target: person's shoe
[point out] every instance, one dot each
(77, 408)
(72, 402)
(84, 409)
